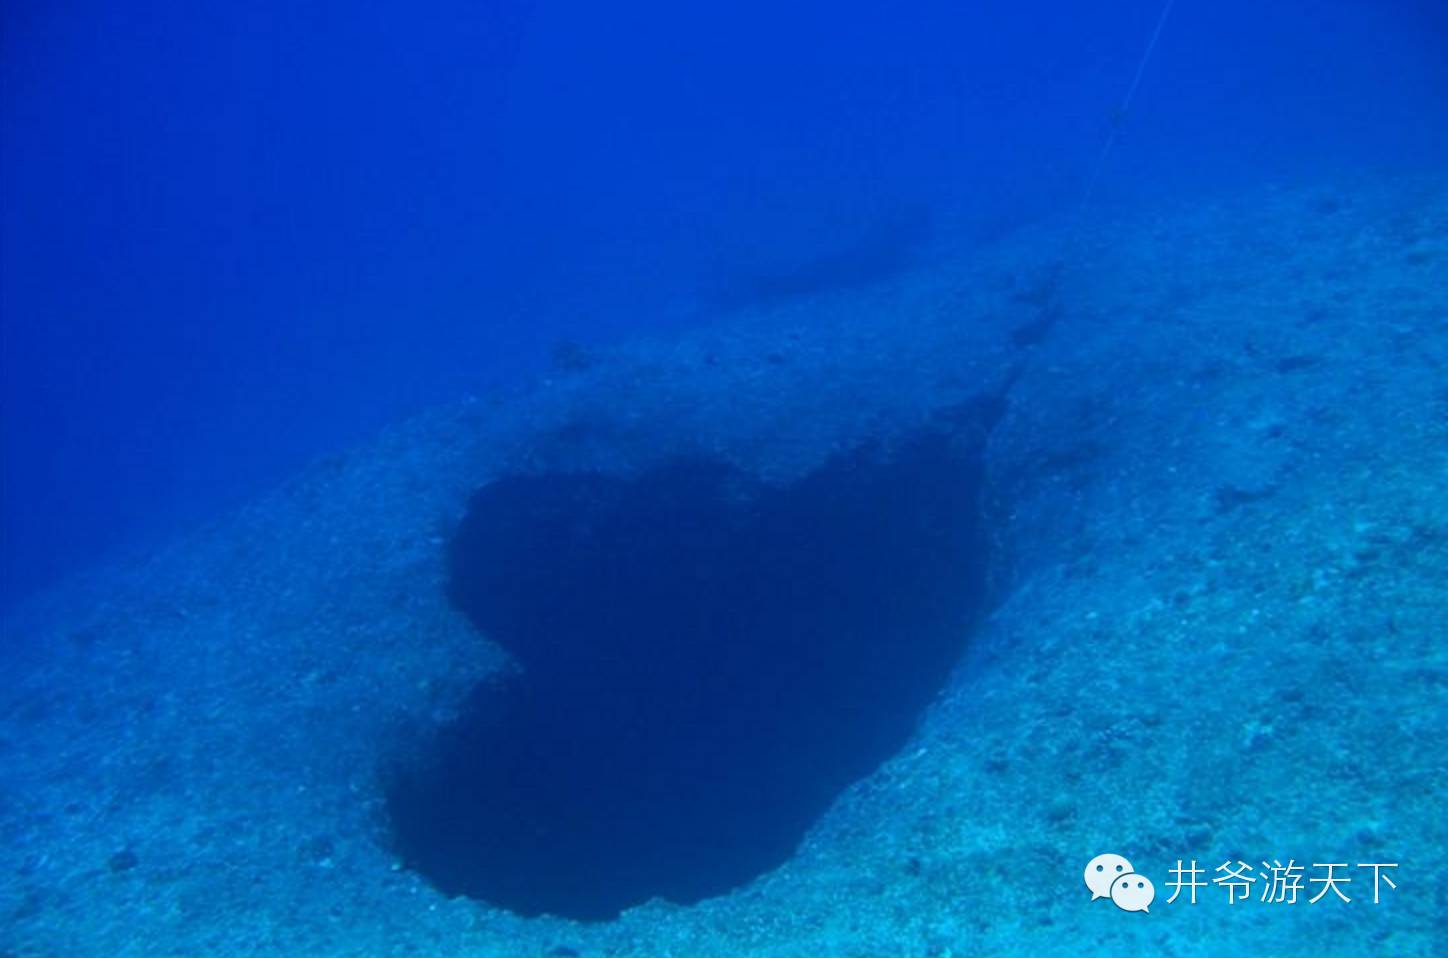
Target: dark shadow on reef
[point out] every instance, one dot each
(705, 663)
(885, 248)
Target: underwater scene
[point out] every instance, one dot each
(554, 479)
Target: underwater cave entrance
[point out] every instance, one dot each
(706, 662)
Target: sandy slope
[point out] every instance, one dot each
(1218, 495)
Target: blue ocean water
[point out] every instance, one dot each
(237, 237)
(645, 479)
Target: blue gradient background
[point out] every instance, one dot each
(236, 236)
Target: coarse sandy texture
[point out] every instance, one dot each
(1218, 500)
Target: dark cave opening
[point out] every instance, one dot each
(706, 662)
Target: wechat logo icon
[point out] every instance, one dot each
(1111, 876)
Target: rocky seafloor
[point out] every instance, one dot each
(1216, 492)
